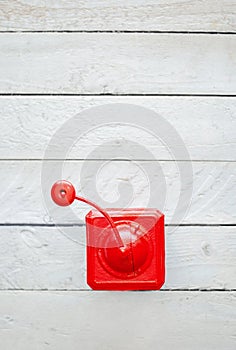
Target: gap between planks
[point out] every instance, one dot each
(120, 32)
(83, 225)
(23, 94)
(114, 160)
(131, 291)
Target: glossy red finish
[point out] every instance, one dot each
(63, 193)
(139, 264)
(125, 247)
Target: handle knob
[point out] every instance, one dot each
(63, 193)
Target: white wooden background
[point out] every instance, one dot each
(58, 58)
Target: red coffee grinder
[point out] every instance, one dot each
(125, 247)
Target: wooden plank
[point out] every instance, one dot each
(52, 258)
(181, 320)
(206, 126)
(84, 63)
(170, 15)
(25, 196)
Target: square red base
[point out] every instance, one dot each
(140, 264)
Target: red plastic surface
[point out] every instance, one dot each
(125, 247)
(63, 193)
(139, 264)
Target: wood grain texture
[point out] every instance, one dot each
(25, 195)
(34, 254)
(142, 15)
(118, 63)
(54, 258)
(206, 125)
(57, 320)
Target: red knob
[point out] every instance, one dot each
(63, 193)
